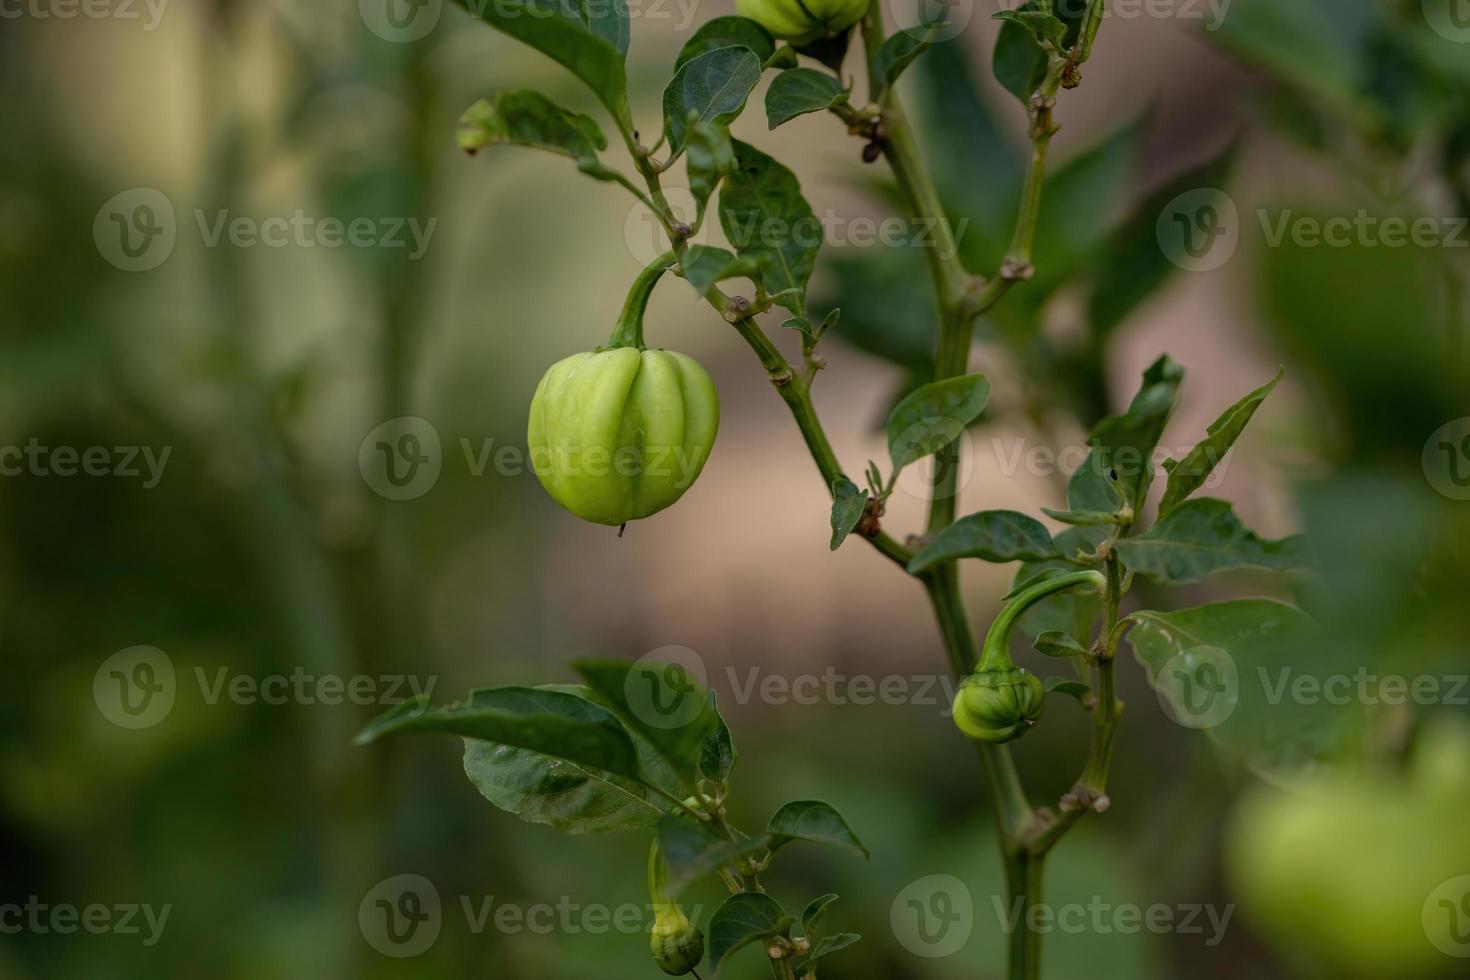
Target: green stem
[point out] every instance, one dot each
(629, 331)
(1024, 883)
(996, 654)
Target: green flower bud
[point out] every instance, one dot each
(998, 705)
(676, 944)
(803, 21)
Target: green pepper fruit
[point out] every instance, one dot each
(622, 432)
(998, 705)
(1344, 871)
(677, 946)
(1001, 701)
(803, 21)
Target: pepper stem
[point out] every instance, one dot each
(629, 331)
(657, 875)
(996, 654)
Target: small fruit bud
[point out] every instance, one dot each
(677, 946)
(998, 705)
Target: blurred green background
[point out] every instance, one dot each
(262, 548)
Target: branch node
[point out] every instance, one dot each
(1016, 271)
(781, 378)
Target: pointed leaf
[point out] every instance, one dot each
(992, 535)
(717, 755)
(526, 118)
(727, 32)
(1120, 467)
(1081, 518)
(551, 722)
(1055, 643)
(815, 821)
(848, 504)
(901, 48)
(561, 31)
(705, 265)
(661, 703)
(744, 918)
(825, 946)
(798, 91)
(1071, 688)
(1188, 474)
(714, 86)
(765, 217)
(1203, 536)
(934, 416)
(813, 912)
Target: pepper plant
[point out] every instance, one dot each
(619, 433)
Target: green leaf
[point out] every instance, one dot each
(560, 31)
(714, 86)
(742, 919)
(813, 912)
(766, 218)
(692, 851)
(1071, 688)
(1120, 467)
(727, 32)
(825, 946)
(798, 91)
(815, 821)
(607, 19)
(848, 505)
(711, 160)
(992, 535)
(1019, 62)
(934, 416)
(1223, 667)
(1132, 265)
(1204, 536)
(717, 755)
(1055, 643)
(551, 722)
(1043, 27)
(901, 48)
(1082, 518)
(705, 265)
(661, 703)
(526, 118)
(569, 797)
(1188, 474)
